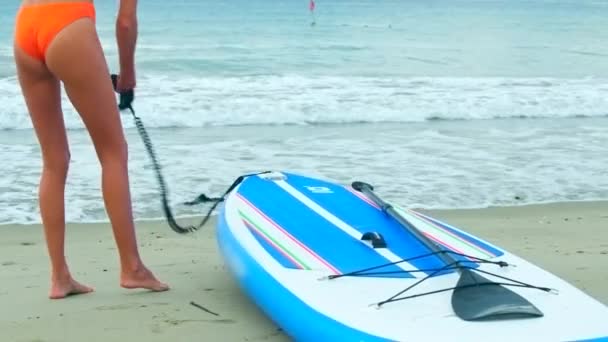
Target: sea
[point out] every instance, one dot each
(437, 103)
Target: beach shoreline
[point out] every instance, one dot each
(568, 239)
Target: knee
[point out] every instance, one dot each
(58, 162)
(116, 153)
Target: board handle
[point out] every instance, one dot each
(375, 238)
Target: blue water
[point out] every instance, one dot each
(499, 91)
(388, 38)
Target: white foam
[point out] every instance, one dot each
(298, 100)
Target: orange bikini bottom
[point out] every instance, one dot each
(37, 25)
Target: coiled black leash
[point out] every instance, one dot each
(126, 101)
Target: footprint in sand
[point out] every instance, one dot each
(155, 328)
(158, 304)
(182, 321)
(222, 321)
(116, 307)
(276, 332)
(127, 306)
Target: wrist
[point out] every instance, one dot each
(126, 66)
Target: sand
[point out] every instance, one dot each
(569, 239)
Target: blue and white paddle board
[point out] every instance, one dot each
(293, 242)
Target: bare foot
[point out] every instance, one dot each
(62, 289)
(141, 278)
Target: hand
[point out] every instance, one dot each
(126, 81)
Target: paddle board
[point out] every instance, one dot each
(326, 263)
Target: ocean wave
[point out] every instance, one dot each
(188, 101)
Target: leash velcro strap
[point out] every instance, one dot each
(202, 198)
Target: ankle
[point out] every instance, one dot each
(132, 266)
(60, 274)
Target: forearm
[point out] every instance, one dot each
(126, 35)
(126, 38)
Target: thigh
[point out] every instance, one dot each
(42, 95)
(76, 57)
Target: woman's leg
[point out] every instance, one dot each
(42, 96)
(75, 56)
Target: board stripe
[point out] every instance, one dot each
(312, 205)
(273, 242)
(486, 246)
(301, 247)
(361, 196)
(441, 236)
(454, 236)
